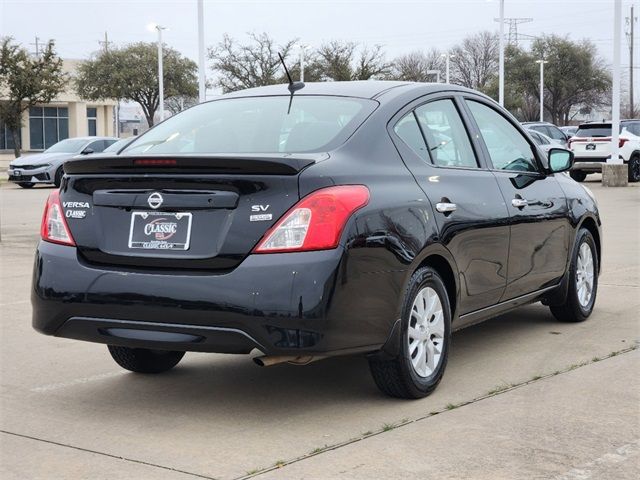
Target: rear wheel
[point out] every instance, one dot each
(583, 281)
(426, 336)
(26, 184)
(634, 169)
(578, 175)
(142, 360)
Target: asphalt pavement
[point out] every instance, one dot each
(523, 396)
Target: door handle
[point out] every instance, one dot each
(519, 202)
(444, 207)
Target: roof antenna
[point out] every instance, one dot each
(293, 86)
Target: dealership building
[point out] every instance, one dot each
(65, 116)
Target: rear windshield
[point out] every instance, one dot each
(604, 130)
(257, 125)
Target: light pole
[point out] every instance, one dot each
(159, 28)
(202, 89)
(302, 49)
(542, 62)
(501, 59)
(448, 57)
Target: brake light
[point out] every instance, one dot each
(622, 141)
(316, 222)
(155, 162)
(54, 227)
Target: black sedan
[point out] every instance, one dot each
(369, 218)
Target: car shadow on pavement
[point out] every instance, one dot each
(233, 385)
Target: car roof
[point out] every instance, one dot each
(360, 88)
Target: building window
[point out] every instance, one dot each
(6, 137)
(47, 126)
(92, 119)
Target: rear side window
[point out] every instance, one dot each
(445, 134)
(632, 127)
(508, 148)
(257, 125)
(409, 131)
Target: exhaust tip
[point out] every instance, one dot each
(258, 361)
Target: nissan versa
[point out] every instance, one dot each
(368, 218)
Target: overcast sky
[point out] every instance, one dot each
(400, 26)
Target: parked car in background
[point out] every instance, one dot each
(569, 131)
(591, 146)
(548, 129)
(119, 145)
(544, 143)
(336, 218)
(46, 167)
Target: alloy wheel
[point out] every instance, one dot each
(584, 275)
(426, 332)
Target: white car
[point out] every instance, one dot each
(544, 142)
(591, 146)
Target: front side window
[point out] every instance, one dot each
(257, 125)
(445, 134)
(508, 148)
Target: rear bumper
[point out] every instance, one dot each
(278, 303)
(590, 164)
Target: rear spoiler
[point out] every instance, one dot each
(247, 164)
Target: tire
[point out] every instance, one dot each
(634, 169)
(575, 308)
(142, 360)
(26, 185)
(398, 377)
(578, 175)
(57, 179)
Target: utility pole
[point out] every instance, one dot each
(37, 45)
(105, 43)
(615, 101)
(631, 20)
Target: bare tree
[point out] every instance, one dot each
(415, 66)
(343, 61)
(475, 61)
(253, 64)
(178, 103)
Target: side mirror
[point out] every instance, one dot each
(560, 160)
(87, 151)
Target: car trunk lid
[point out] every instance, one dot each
(163, 212)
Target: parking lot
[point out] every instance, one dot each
(523, 396)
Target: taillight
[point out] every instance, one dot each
(316, 222)
(54, 227)
(622, 141)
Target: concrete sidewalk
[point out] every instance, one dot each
(578, 425)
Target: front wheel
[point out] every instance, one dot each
(426, 336)
(583, 281)
(578, 175)
(142, 360)
(57, 180)
(634, 169)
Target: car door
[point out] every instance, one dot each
(538, 211)
(468, 207)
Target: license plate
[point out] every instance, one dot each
(591, 146)
(160, 230)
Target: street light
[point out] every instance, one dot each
(448, 57)
(202, 88)
(501, 58)
(159, 28)
(542, 62)
(302, 49)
